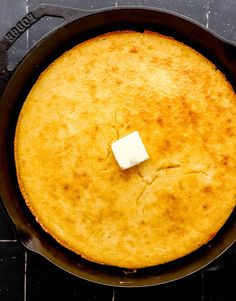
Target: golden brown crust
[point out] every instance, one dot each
(106, 88)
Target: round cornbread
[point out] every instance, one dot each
(104, 89)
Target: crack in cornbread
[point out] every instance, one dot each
(99, 91)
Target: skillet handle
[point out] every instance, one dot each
(68, 14)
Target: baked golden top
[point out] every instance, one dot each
(103, 89)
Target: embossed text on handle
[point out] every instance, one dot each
(20, 27)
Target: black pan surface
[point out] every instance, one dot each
(79, 26)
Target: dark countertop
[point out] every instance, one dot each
(25, 275)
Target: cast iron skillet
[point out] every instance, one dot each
(80, 25)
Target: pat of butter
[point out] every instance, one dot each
(129, 151)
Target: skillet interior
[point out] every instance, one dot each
(30, 233)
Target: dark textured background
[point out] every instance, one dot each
(27, 276)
